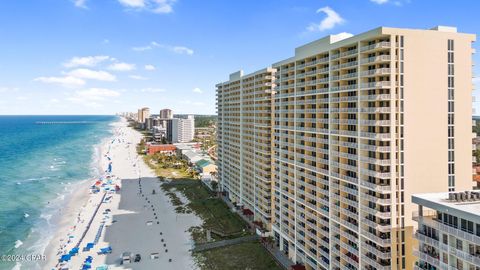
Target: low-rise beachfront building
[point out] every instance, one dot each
(448, 231)
(161, 148)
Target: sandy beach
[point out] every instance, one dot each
(138, 218)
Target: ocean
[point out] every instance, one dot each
(39, 167)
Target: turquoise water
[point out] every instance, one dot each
(39, 166)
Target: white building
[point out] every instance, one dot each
(448, 230)
(180, 130)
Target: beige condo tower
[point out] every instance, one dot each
(342, 136)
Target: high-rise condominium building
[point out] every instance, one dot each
(448, 230)
(358, 125)
(180, 130)
(244, 140)
(166, 114)
(143, 114)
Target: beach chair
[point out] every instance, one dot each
(106, 250)
(65, 258)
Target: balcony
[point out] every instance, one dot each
(377, 71)
(376, 212)
(426, 258)
(379, 45)
(375, 122)
(375, 109)
(376, 187)
(371, 85)
(380, 58)
(380, 97)
(377, 136)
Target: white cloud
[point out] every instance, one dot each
(152, 90)
(155, 6)
(197, 90)
(138, 77)
(150, 67)
(133, 3)
(85, 73)
(122, 67)
(476, 79)
(141, 49)
(68, 81)
(88, 61)
(174, 49)
(80, 3)
(333, 19)
(380, 2)
(182, 50)
(54, 100)
(93, 96)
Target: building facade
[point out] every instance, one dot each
(166, 114)
(245, 119)
(181, 130)
(143, 114)
(358, 125)
(448, 230)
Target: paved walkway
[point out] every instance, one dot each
(279, 256)
(223, 243)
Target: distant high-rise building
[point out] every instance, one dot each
(143, 114)
(180, 130)
(357, 126)
(448, 230)
(166, 114)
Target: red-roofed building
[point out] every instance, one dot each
(161, 148)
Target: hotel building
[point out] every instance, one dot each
(181, 130)
(245, 118)
(166, 114)
(143, 114)
(359, 124)
(448, 230)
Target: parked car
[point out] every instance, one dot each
(126, 257)
(137, 258)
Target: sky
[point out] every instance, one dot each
(108, 56)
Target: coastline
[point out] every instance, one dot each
(128, 221)
(63, 219)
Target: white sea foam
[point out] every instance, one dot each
(17, 266)
(18, 243)
(47, 217)
(26, 215)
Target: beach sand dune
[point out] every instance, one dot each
(132, 220)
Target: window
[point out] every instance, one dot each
(450, 57)
(451, 70)
(451, 93)
(451, 82)
(450, 44)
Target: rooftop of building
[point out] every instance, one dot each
(465, 204)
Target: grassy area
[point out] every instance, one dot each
(214, 212)
(250, 255)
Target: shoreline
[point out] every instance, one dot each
(61, 221)
(126, 220)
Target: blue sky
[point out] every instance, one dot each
(106, 56)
